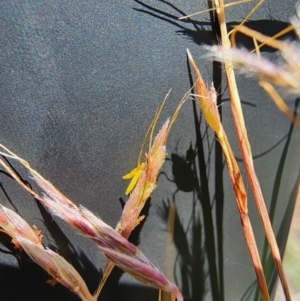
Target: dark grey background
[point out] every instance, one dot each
(80, 84)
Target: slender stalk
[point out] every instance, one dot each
(246, 151)
(207, 102)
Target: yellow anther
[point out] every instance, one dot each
(134, 175)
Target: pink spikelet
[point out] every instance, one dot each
(114, 246)
(262, 68)
(143, 270)
(29, 239)
(145, 185)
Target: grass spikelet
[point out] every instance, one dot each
(148, 273)
(263, 69)
(145, 185)
(91, 226)
(29, 239)
(206, 99)
(14, 225)
(284, 75)
(114, 246)
(57, 267)
(146, 181)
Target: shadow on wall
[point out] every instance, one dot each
(204, 33)
(196, 244)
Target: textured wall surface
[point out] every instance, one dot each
(80, 83)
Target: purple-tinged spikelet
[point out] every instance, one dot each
(260, 67)
(143, 270)
(14, 225)
(29, 239)
(57, 267)
(115, 247)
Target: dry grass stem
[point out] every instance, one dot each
(213, 9)
(246, 150)
(207, 103)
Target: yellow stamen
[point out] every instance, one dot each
(134, 175)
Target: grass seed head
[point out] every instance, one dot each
(262, 68)
(55, 265)
(14, 225)
(142, 269)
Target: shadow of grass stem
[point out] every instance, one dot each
(244, 144)
(206, 100)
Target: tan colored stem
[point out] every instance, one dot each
(246, 152)
(206, 100)
(241, 199)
